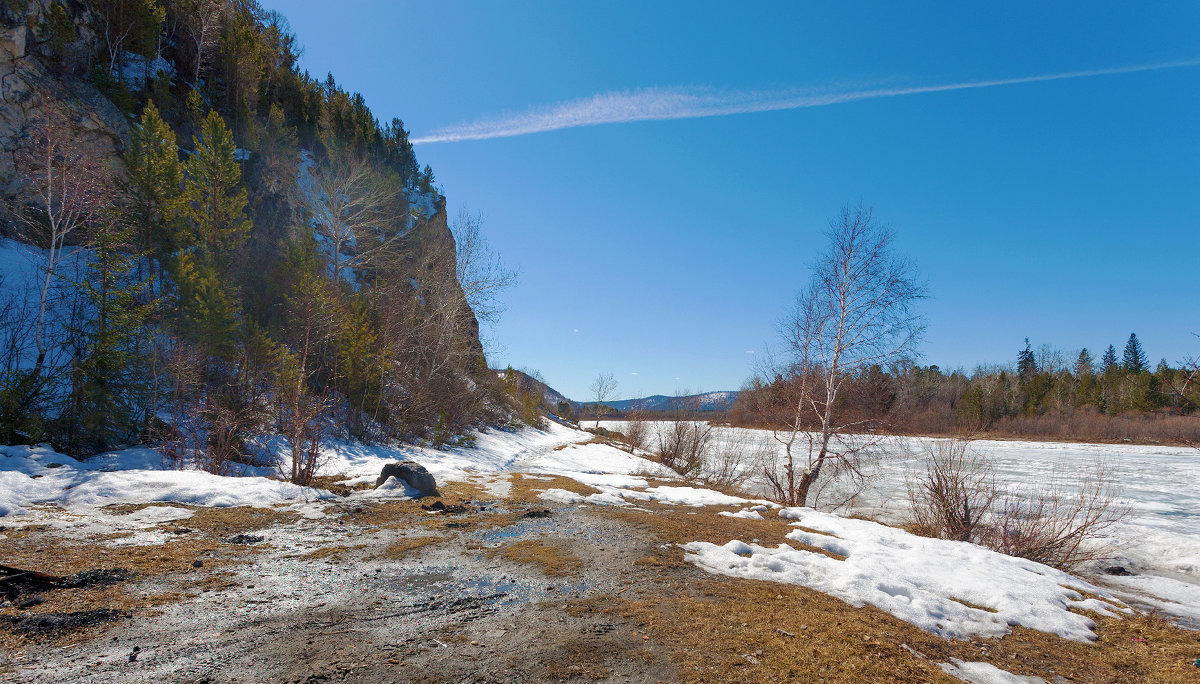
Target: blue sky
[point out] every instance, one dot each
(664, 251)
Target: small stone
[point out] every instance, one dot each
(198, 564)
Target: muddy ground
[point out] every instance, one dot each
(370, 595)
(507, 588)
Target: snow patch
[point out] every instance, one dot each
(952, 589)
(984, 673)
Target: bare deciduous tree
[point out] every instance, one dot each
(356, 209)
(202, 20)
(301, 412)
(481, 274)
(602, 389)
(857, 311)
(66, 188)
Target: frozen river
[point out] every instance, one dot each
(1161, 485)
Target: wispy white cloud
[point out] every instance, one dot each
(657, 104)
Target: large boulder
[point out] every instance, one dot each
(412, 474)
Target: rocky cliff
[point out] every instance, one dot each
(34, 72)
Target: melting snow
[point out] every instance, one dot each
(926, 582)
(983, 673)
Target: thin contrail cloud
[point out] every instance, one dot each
(658, 104)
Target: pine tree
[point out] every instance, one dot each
(1026, 363)
(1108, 362)
(1135, 359)
(110, 378)
(206, 314)
(156, 180)
(217, 202)
(1083, 364)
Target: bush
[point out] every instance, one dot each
(953, 497)
(732, 458)
(1054, 524)
(682, 445)
(956, 497)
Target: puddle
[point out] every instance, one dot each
(440, 589)
(520, 529)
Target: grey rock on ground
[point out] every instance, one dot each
(411, 473)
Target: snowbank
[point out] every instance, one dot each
(40, 475)
(953, 589)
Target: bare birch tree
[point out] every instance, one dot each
(202, 20)
(66, 188)
(602, 389)
(858, 310)
(355, 208)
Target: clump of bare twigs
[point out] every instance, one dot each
(1057, 523)
(953, 497)
(734, 457)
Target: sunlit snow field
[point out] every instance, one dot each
(1161, 486)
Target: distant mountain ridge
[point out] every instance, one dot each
(705, 402)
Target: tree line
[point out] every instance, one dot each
(1044, 392)
(265, 258)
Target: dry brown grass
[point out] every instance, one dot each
(336, 552)
(332, 483)
(581, 658)
(403, 547)
(710, 626)
(679, 525)
(553, 560)
(526, 489)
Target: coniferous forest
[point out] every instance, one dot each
(214, 244)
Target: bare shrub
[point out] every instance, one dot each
(182, 434)
(682, 445)
(637, 430)
(734, 457)
(952, 498)
(1058, 525)
(229, 423)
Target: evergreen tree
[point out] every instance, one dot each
(217, 202)
(1083, 364)
(109, 396)
(1134, 360)
(156, 180)
(1108, 362)
(1026, 363)
(206, 314)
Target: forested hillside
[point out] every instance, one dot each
(1046, 392)
(205, 243)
